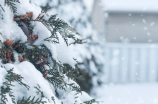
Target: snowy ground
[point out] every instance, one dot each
(129, 94)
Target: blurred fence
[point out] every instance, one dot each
(126, 63)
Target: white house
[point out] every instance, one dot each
(134, 21)
(130, 29)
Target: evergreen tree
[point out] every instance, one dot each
(90, 54)
(36, 67)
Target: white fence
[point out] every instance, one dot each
(126, 63)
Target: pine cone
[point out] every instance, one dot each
(16, 18)
(42, 64)
(33, 37)
(44, 56)
(8, 42)
(45, 74)
(37, 58)
(21, 59)
(27, 15)
(8, 54)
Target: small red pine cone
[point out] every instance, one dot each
(45, 56)
(30, 38)
(8, 54)
(33, 37)
(45, 76)
(42, 64)
(24, 16)
(27, 15)
(15, 18)
(21, 59)
(8, 42)
(37, 58)
(45, 72)
(31, 15)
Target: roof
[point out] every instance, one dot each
(130, 5)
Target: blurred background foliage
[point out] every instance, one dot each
(89, 56)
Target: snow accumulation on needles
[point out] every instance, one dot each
(39, 86)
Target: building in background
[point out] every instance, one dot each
(127, 21)
(131, 37)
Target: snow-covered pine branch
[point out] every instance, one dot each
(42, 72)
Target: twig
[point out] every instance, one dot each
(40, 21)
(39, 15)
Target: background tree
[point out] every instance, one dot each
(90, 54)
